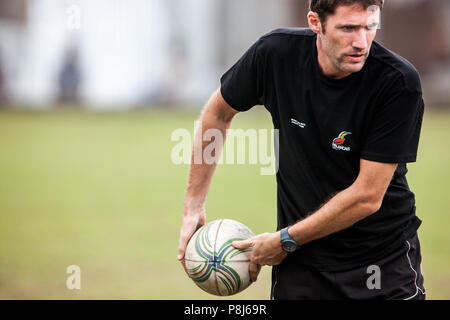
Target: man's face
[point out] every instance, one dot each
(345, 45)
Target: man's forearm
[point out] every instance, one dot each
(340, 212)
(217, 115)
(201, 171)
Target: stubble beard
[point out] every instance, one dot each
(338, 60)
(349, 67)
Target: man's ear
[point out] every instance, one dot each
(314, 22)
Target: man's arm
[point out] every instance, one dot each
(217, 114)
(360, 200)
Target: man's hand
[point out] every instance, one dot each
(266, 251)
(189, 225)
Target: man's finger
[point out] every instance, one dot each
(180, 255)
(183, 263)
(243, 244)
(183, 242)
(182, 247)
(254, 271)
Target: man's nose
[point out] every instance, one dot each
(360, 40)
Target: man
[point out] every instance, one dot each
(346, 216)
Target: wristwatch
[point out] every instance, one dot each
(288, 244)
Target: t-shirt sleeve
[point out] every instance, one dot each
(241, 86)
(393, 136)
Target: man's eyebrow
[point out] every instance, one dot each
(349, 25)
(339, 26)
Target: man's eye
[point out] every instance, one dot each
(348, 28)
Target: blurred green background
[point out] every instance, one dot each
(99, 190)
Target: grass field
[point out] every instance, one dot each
(99, 190)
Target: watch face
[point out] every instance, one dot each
(289, 246)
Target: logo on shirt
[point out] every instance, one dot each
(298, 123)
(338, 143)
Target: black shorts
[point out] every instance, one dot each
(397, 276)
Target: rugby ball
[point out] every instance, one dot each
(213, 263)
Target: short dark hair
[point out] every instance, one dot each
(324, 8)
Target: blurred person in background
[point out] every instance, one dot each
(3, 94)
(349, 114)
(69, 78)
(2, 87)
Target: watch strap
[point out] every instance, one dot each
(285, 237)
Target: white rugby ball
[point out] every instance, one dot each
(213, 263)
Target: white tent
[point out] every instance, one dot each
(131, 52)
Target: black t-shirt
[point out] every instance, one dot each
(325, 127)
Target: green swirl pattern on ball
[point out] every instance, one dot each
(215, 260)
